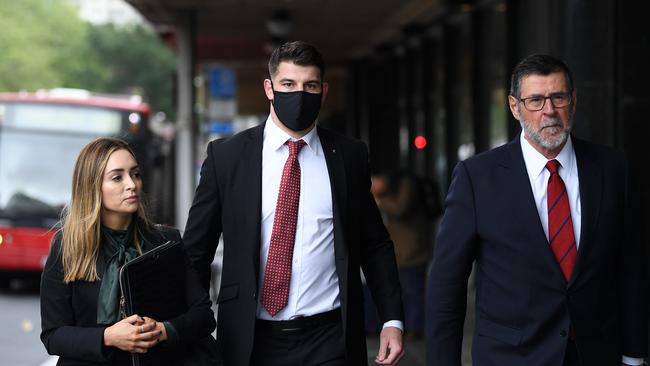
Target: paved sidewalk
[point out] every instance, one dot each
(416, 349)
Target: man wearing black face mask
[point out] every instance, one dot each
(293, 203)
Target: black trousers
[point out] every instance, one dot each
(571, 357)
(320, 345)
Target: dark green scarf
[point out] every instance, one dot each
(117, 247)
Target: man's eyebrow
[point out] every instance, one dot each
(313, 81)
(549, 94)
(536, 95)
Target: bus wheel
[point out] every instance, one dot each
(4, 282)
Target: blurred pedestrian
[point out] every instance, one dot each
(104, 226)
(401, 200)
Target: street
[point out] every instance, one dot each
(21, 325)
(20, 344)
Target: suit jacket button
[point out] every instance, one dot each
(563, 333)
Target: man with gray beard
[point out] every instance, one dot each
(547, 218)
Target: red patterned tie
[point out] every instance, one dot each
(560, 225)
(277, 275)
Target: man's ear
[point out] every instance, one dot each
(268, 89)
(325, 88)
(512, 102)
(574, 101)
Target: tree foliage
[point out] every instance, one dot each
(136, 61)
(45, 44)
(36, 38)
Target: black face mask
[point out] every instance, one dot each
(296, 110)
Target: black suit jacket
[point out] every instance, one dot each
(228, 202)
(69, 312)
(524, 306)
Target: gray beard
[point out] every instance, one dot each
(547, 143)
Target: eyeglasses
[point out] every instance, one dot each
(536, 103)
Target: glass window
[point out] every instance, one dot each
(59, 117)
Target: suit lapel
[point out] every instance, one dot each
(336, 169)
(525, 210)
(591, 185)
(338, 182)
(251, 196)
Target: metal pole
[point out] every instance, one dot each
(185, 167)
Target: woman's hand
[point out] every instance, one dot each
(159, 326)
(134, 334)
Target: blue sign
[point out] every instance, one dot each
(220, 127)
(223, 83)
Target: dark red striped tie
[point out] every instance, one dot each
(560, 225)
(277, 275)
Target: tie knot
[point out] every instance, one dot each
(295, 147)
(553, 166)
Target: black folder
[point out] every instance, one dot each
(153, 285)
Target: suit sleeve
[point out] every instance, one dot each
(198, 321)
(59, 333)
(634, 306)
(453, 256)
(378, 255)
(203, 227)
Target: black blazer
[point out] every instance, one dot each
(524, 306)
(228, 202)
(69, 312)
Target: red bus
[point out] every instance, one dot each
(40, 136)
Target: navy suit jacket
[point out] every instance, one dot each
(525, 309)
(228, 202)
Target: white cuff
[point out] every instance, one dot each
(632, 361)
(396, 324)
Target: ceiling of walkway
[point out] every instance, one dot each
(239, 29)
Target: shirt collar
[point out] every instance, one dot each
(536, 162)
(274, 137)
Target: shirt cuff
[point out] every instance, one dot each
(632, 361)
(394, 323)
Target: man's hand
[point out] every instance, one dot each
(391, 348)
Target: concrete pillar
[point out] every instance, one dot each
(185, 167)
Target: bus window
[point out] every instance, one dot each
(40, 138)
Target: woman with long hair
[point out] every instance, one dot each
(104, 226)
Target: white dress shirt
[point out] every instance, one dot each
(314, 285)
(568, 171)
(538, 175)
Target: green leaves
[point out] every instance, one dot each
(44, 44)
(35, 36)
